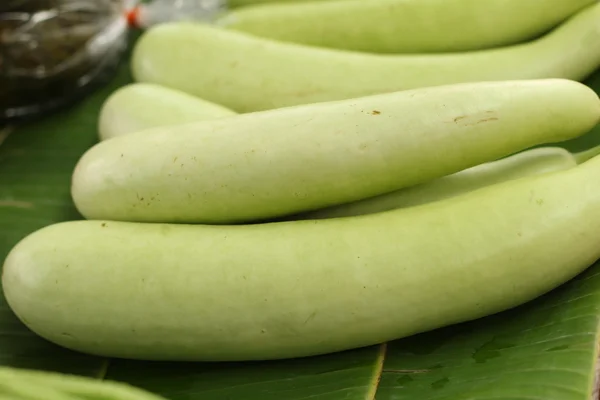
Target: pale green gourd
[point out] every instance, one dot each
(404, 26)
(302, 288)
(122, 107)
(156, 112)
(248, 73)
(281, 162)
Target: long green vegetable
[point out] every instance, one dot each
(301, 288)
(404, 26)
(144, 106)
(249, 73)
(280, 162)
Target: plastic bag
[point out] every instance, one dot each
(159, 11)
(52, 52)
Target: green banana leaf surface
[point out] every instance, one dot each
(544, 350)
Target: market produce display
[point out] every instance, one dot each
(271, 188)
(285, 288)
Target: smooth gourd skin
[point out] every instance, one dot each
(281, 162)
(301, 288)
(23, 384)
(404, 26)
(140, 106)
(531, 162)
(122, 118)
(248, 73)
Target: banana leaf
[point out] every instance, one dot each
(546, 349)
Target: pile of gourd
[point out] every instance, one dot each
(302, 178)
